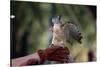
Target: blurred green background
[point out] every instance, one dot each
(30, 27)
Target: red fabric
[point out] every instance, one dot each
(59, 54)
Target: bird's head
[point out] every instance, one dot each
(56, 20)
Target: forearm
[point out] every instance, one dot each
(26, 60)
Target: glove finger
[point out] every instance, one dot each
(62, 53)
(58, 57)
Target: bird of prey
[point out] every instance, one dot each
(65, 32)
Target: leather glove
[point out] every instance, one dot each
(56, 53)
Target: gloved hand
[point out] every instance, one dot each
(59, 54)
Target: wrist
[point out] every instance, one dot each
(42, 56)
(33, 58)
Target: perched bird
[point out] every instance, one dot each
(64, 32)
(68, 32)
